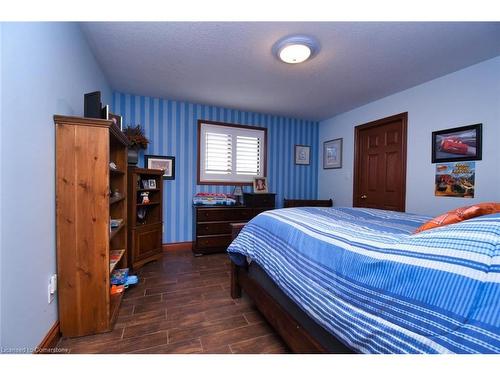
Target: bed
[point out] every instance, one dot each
(341, 280)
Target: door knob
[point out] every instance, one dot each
(364, 196)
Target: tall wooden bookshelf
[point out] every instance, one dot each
(89, 193)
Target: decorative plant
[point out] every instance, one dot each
(135, 135)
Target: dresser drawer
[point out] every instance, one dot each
(259, 200)
(213, 241)
(213, 228)
(221, 214)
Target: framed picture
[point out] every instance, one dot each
(152, 183)
(260, 185)
(105, 112)
(456, 179)
(457, 144)
(332, 154)
(116, 119)
(302, 155)
(165, 163)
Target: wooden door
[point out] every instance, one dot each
(380, 164)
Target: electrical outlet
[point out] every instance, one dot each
(52, 288)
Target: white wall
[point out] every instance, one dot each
(466, 97)
(1, 127)
(46, 68)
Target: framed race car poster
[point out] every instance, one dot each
(457, 144)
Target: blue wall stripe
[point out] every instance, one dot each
(172, 130)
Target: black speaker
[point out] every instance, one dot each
(92, 105)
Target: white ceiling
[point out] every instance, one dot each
(231, 64)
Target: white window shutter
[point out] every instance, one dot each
(218, 153)
(230, 154)
(248, 156)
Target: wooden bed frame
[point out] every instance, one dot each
(291, 331)
(307, 203)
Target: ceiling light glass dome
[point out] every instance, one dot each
(295, 49)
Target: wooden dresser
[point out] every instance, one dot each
(211, 227)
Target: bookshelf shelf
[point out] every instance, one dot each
(116, 171)
(116, 200)
(147, 204)
(115, 231)
(114, 258)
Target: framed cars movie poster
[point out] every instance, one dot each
(457, 144)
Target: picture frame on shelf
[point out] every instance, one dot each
(105, 112)
(302, 155)
(165, 163)
(457, 144)
(332, 154)
(260, 185)
(117, 120)
(152, 183)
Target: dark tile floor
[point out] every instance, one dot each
(182, 305)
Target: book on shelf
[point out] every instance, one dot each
(114, 258)
(115, 223)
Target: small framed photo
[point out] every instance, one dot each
(302, 155)
(105, 112)
(152, 183)
(332, 154)
(116, 119)
(457, 144)
(260, 185)
(165, 163)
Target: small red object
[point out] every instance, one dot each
(116, 289)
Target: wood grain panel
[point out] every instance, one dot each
(147, 241)
(392, 137)
(91, 242)
(216, 241)
(392, 166)
(66, 227)
(373, 141)
(372, 172)
(231, 214)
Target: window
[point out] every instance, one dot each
(230, 154)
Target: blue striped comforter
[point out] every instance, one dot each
(361, 275)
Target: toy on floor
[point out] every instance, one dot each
(117, 289)
(119, 276)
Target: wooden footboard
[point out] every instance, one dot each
(297, 339)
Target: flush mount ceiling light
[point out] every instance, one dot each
(295, 49)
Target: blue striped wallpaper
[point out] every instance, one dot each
(171, 127)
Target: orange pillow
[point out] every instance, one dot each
(459, 214)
